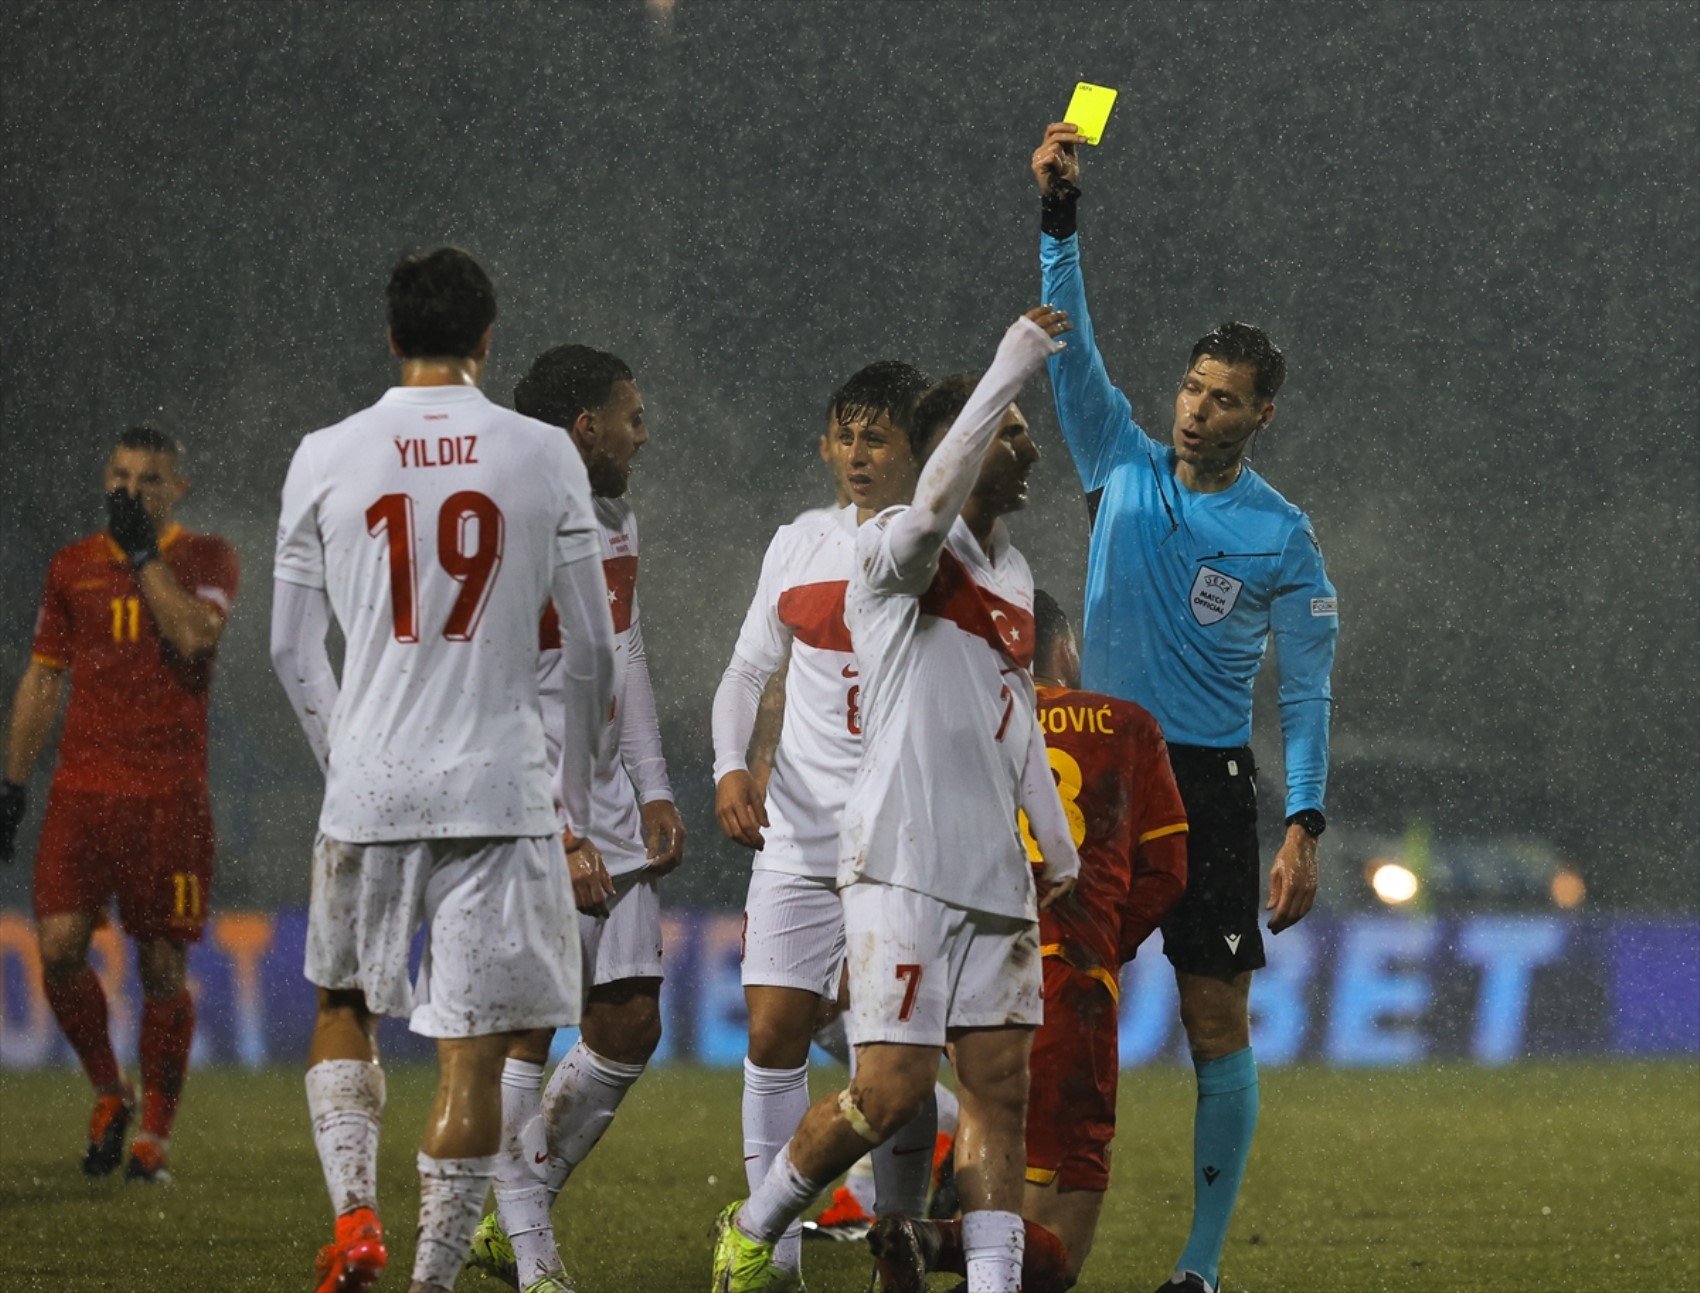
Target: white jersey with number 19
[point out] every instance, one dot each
(435, 521)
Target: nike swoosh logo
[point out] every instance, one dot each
(849, 671)
(751, 1157)
(540, 1158)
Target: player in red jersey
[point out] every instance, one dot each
(133, 616)
(1112, 769)
(1125, 813)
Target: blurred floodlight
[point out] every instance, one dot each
(1393, 883)
(1568, 890)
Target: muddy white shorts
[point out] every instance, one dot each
(626, 943)
(920, 967)
(501, 943)
(793, 933)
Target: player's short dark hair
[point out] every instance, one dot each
(150, 440)
(1240, 343)
(932, 412)
(440, 303)
(565, 381)
(883, 388)
(1050, 623)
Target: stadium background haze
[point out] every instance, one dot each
(1472, 227)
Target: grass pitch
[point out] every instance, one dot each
(1556, 1177)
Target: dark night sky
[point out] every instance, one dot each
(1473, 228)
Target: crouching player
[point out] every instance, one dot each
(546, 1133)
(134, 616)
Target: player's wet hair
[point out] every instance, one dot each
(565, 381)
(929, 415)
(150, 440)
(1050, 624)
(1240, 343)
(440, 304)
(883, 388)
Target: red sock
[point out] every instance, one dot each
(168, 1027)
(1044, 1263)
(79, 1005)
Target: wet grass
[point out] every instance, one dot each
(1551, 1177)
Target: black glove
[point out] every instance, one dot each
(14, 800)
(131, 528)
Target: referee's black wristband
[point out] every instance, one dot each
(1313, 822)
(1056, 209)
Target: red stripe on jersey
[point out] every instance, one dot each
(621, 574)
(815, 615)
(953, 595)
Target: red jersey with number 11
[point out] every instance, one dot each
(1126, 815)
(137, 721)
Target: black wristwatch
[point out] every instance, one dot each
(1313, 822)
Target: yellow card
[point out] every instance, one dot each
(1089, 110)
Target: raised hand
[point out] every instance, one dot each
(1058, 157)
(1052, 320)
(131, 528)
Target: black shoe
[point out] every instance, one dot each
(1186, 1282)
(107, 1125)
(904, 1250)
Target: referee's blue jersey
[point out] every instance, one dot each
(1183, 590)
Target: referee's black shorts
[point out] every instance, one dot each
(1215, 930)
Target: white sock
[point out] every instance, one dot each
(950, 1108)
(903, 1165)
(993, 1243)
(775, 1101)
(522, 1196)
(346, 1101)
(860, 1181)
(779, 1200)
(451, 1201)
(578, 1105)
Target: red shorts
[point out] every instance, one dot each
(1071, 1102)
(153, 853)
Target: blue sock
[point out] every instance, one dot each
(1222, 1129)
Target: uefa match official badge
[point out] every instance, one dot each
(1213, 595)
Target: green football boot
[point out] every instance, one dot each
(494, 1255)
(745, 1265)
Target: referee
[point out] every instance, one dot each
(1194, 562)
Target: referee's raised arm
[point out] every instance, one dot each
(1097, 420)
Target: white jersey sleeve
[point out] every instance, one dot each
(763, 641)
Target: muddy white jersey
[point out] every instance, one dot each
(435, 520)
(799, 604)
(616, 822)
(947, 718)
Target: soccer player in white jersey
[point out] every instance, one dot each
(939, 904)
(793, 929)
(434, 525)
(593, 396)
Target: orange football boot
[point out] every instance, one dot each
(353, 1261)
